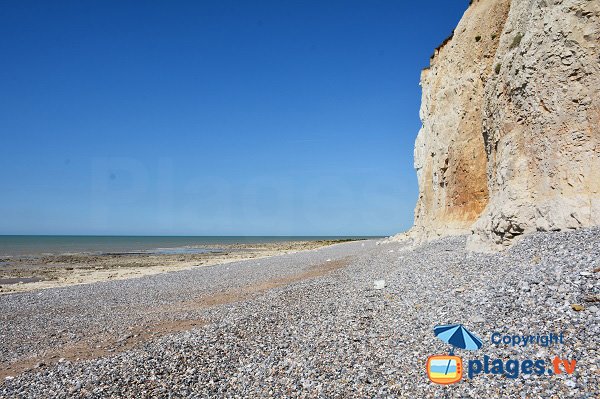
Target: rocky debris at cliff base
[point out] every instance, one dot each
(334, 336)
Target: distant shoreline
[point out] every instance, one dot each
(36, 245)
(23, 273)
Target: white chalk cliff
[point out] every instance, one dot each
(510, 141)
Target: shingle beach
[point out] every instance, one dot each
(311, 325)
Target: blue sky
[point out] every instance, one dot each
(213, 117)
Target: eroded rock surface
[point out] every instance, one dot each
(510, 141)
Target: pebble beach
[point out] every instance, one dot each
(312, 325)
(30, 272)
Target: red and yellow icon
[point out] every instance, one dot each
(444, 369)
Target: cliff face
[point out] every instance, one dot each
(450, 154)
(510, 141)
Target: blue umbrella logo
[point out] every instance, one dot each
(457, 336)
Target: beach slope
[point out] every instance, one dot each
(312, 325)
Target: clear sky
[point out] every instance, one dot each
(213, 117)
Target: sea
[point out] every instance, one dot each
(32, 245)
